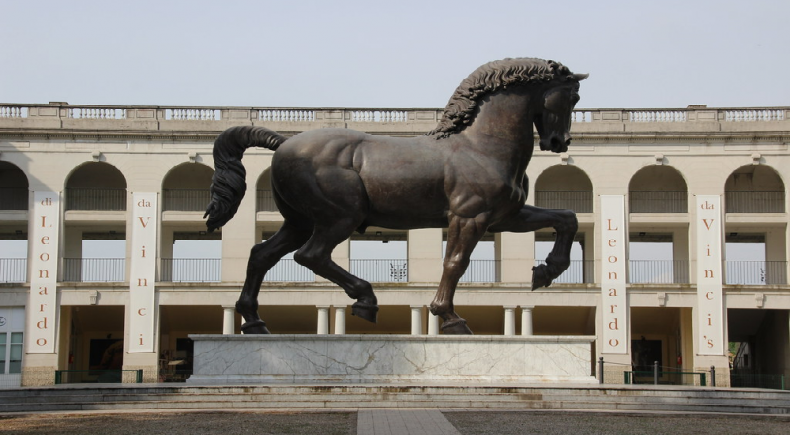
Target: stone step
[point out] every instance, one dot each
(702, 400)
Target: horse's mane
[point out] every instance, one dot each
(491, 77)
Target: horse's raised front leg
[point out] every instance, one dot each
(262, 258)
(316, 255)
(462, 237)
(532, 218)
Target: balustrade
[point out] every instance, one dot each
(747, 115)
(265, 201)
(380, 270)
(578, 201)
(190, 270)
(481, 271)
(755, 272)
(579, 272)
(185, 199)
(94, 269)
(13, 112)
(13, 270)
(288, 270)
(197, 114)
(379, 115)
(286, 115)
(13, 198)
(658, 202)
(657, 115)
(658, 271)
(88, 198)
(96, 113)
(755, 202)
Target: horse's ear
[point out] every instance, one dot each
(580, 77)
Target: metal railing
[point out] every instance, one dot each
(13, 198)
(98, 376)
(755, 272)
(658, 271)
(665, 377)
(580, 201)
(754, 380)
(264, 200)
(190, 270)
(755, 202)
(380, 270)
(94, 269)
(658, 202)
(481, 271)
(185, 199)
(13, 270)
(288, 270)
(579, 272)
(88, 198)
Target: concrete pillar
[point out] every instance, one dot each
(340, 320)
(433, 324)
(526, 320)
(510, 320)
(515, 255)
(681, 254)
(323, 320)
(775, 251)
(229, 314)
(425, 255)
(416, 319)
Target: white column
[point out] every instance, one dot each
(526, 320)
(433, 324)
(510, 321)
(227, 320)
(340, 320)
(323, 320)
(416, 319)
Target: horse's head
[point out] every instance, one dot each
(553, 120)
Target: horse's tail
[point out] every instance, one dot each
(228, 185)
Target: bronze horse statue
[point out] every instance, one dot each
(467, 175)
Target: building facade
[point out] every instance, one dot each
(680, 258)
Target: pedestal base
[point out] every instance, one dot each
(390, 359)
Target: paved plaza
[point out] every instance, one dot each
(390, 422)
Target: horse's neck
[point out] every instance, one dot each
(503, 128)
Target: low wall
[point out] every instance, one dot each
(391, 359)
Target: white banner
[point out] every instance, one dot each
(710, 306)
(42, 305)
(613, 274)
(142, 274)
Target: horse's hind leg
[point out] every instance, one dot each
(316, 255)
(532, 218)
(262, 258)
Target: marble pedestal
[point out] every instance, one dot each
(390, 359)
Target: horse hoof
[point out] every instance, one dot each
(540, 277)
(254, 327)
(365, 311)
(456, 327)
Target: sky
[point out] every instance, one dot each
(399, 54)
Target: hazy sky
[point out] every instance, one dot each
(387, 54)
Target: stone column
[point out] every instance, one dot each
(526, 320)
(425, 255)
(416, 319)
(433, 324)
(515, 253)
(340, 320)
(229, 314)
(323, 320)
(510, 320)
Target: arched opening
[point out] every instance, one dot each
(264, 200)
(186, 188)
(658, 189)
(754, 189)
(564, 187)
(13, 187)
(96, 186)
